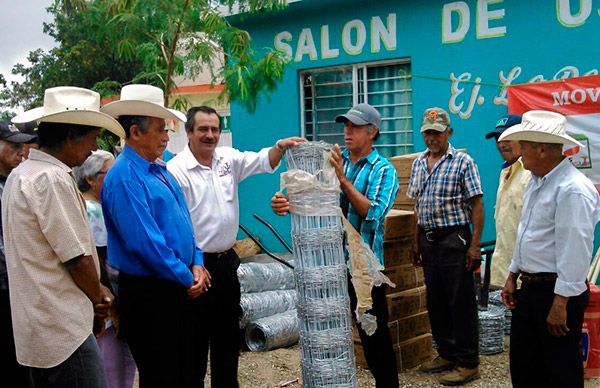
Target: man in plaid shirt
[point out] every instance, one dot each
(447, 191)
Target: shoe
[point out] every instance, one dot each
(459, 376)
(438, 364)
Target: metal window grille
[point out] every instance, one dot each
(329, 92)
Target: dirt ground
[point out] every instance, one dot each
(268, 369)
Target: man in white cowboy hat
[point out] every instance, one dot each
(209, 177)
(447, 190)
(552, 254)
(54, 276)
(151, 241)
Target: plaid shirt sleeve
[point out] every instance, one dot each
(381, 192)
(472, 182)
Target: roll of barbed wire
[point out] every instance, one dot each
(257, 277)
(258, 305)
(507, 320)
(272, 332)
(491, 330)
(320, 268)
(496, 299)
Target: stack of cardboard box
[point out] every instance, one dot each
(408, 319)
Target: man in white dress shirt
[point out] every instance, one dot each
(552, 254)
(209, 177)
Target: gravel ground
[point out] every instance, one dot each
(268, 369)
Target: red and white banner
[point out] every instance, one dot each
(579, 100)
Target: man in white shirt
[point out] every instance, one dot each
(209, 177)
(509, 199)
(551, 257)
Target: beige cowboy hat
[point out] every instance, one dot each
(542, 127)
(142, 100)
(71, 105)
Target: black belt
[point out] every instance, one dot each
(439, 233)
(540, 277)
(216, 255)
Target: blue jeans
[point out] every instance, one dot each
(82, 369)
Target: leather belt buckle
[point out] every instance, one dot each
(429, 236)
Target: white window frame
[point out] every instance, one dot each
(355, 96)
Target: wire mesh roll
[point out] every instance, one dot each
(496, 299)
(273, 332)
(491, 330)
(321, 275)
(258, 305)
(257, 277)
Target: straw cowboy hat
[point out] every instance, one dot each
(142, 100)
(71, 105)
(542, 127)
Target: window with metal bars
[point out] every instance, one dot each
(329, 92)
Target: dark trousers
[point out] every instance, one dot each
(10, 369)
(153, 315)
(215, 320)
(538, 359)
(83, 368)
(378, 348)
(451, 296)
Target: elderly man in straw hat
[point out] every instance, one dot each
(552, 253)
(54, 277)
(151, 241)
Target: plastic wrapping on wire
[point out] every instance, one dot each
(491, 330)
(258, 277)
(263, 304)
(273, 332)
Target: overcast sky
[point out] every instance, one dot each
(21, 31)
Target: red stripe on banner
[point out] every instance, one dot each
(571, 96)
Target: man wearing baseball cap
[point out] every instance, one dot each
(446, 188)
(12, 151)
(369, 185)
(509, 199)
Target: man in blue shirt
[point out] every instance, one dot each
(151, 242)
(369, 185)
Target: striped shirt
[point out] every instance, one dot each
(442, 195)
(375, 178)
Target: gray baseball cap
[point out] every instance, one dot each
(361, 114)
(436, 119)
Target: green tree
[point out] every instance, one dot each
(103, 44)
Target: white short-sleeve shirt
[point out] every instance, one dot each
(211, 193)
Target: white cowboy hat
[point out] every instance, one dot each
(542, 127)
(142, 100)
(71, 105)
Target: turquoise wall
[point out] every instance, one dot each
(505, 42)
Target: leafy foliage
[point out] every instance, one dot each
(104, 44)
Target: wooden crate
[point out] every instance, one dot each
(405, 276)
(397, 252)
(406, 303)
(399, 224)
(409, 353)
(403, 329)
